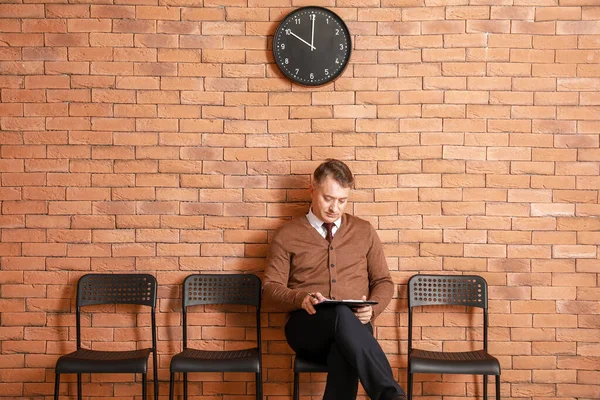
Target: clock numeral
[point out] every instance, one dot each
(327, 21)
(297, 70)
(282, 46)
(337, 32)
(312, 17)
(297, 20)
(312, 76)
(341, 47)
(288, 31)
(326, 71)
(337, 61)
(286, 61)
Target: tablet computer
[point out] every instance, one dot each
(349, 303)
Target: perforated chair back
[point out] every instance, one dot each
(463, 290)
(243, 289)
(94, 289)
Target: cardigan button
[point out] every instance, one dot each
(332, 265)
(333, 281)
(331, 248)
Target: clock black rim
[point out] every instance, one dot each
(333, 77)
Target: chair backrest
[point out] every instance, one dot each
(221, 289)
(97, 289)
(462, 290)
(241, 289)
(437, 290)
(116, 289)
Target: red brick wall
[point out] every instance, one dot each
(159, 136)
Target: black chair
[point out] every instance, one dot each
(463, 290)
(96, 289)
(242, 289)
(304, 365)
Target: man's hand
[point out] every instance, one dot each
(364, 313)
(310, 300)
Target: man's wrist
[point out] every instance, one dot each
(299, 299)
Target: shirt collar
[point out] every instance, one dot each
(317, 223)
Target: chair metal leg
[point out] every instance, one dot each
(56, 386)
(155, 367)
(485, 387)
(409, 386)
(185, 386)
(259, 394)
(171, 385)
(296, 386)
(497, 387)
(144, 382)
(79, 395)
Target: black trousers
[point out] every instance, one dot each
(336, 336)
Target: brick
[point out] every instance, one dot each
(490, 250)
(23, 95)
(158, 13)
(118, 39)
(133, 26)
(112, 11)
(557, 13)
(66, 39)
(13, 110)
(513, 98)
(155, 40)
(158, 97)
(35, 82)
(26, 68)
(111, 68)
(137, 55)
(41, 25)
(87, 25)
(22, 10)
(10, 25)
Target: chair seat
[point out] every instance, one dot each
(93, 361)
(192, 360)
(305, 365)
(468, 362)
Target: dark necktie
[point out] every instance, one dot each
(329, 227)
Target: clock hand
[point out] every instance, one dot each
(312, 38)
(302, 40)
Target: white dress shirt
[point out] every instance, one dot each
(318, 224)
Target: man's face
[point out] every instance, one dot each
(329, 199)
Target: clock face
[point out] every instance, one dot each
(312, 46)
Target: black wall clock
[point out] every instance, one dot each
(312, 46)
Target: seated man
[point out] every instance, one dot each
(329, 254)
